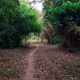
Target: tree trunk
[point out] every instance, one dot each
(49, 40)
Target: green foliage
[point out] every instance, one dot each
(66, 21)
(8, 14)
(16, 21)
(56, 40)
(31, 21)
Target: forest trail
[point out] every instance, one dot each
(48, 62)
(30, 68)
(30, 71)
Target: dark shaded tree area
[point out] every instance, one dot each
(17, 20)
(65, 18)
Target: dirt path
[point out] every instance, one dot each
(30, 68)
(48, 62)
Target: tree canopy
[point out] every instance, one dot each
(17, 20)
(65, 19)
